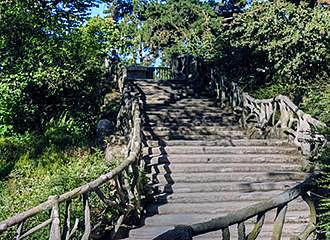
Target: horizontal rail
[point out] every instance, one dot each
(277, 116)
(53, 202)
(243, 214)
(279, 202)
(149, 73)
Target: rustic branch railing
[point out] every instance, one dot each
(149, 73)
(162, 73)
(277, 116)
(258, 211)
(125, 196)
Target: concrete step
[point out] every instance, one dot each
(220, 149)
(151, 232)
(184, 105)
(191, 123)
(221, 142)
(226, 177)
(177, 113)
(187, 219)
(174, 97)
(156, 121)
(173, 136)
(210, 207)
(194, 130)
(227, 187)
(186, 110)
(223, 158)
(220, 167)
(197, 129)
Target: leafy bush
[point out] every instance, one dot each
(10, 150)
(64, 132)
(52, 173)
(324, 191)
(51, 63)
(281, 47)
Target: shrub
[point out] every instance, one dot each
(52, 173)
(279, 47)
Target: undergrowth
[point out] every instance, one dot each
(36, 165)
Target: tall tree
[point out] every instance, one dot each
(187, 27)
(46, 66)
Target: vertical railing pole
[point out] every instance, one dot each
(225, 234)
(279, 222)
(87, 215)
(55, 231)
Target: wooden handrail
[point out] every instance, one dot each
(244, 214)
(280, 202)
(276, 116)
(53, 202)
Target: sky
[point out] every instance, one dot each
(98, 11)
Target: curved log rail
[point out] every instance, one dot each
(125, 196)
(258, 211)
(277, 116)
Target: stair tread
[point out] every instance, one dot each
(202, 165)
(196, 188)
(150, 232)
(221, 142)
(220, 167)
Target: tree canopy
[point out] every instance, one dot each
(50, 59)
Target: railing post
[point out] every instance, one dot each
(257, 228)
(241, 231)
(19, 231)
(55, 232)
(225, 234)
(279, 222)
(87, 215)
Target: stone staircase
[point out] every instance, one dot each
(202, 165)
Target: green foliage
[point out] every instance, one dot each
(180, 27)
(50, 63)
(10, 150)
(53, 172)
(280, 48)
(324, 191)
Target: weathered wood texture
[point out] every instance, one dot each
(277, 116)
(279, 202)
(127, 194)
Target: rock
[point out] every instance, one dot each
(104, 128)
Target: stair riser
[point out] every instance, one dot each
(224, 158)
(171, 220)
(228, 177)
(201, 188)
(219, 150)
(290, 229)
(187, 114)
(220, 168)
(193, 137)
(175, 124)
(195, 129)
(182, 105)
(211, 208)
(204, 133)
(226, 143)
